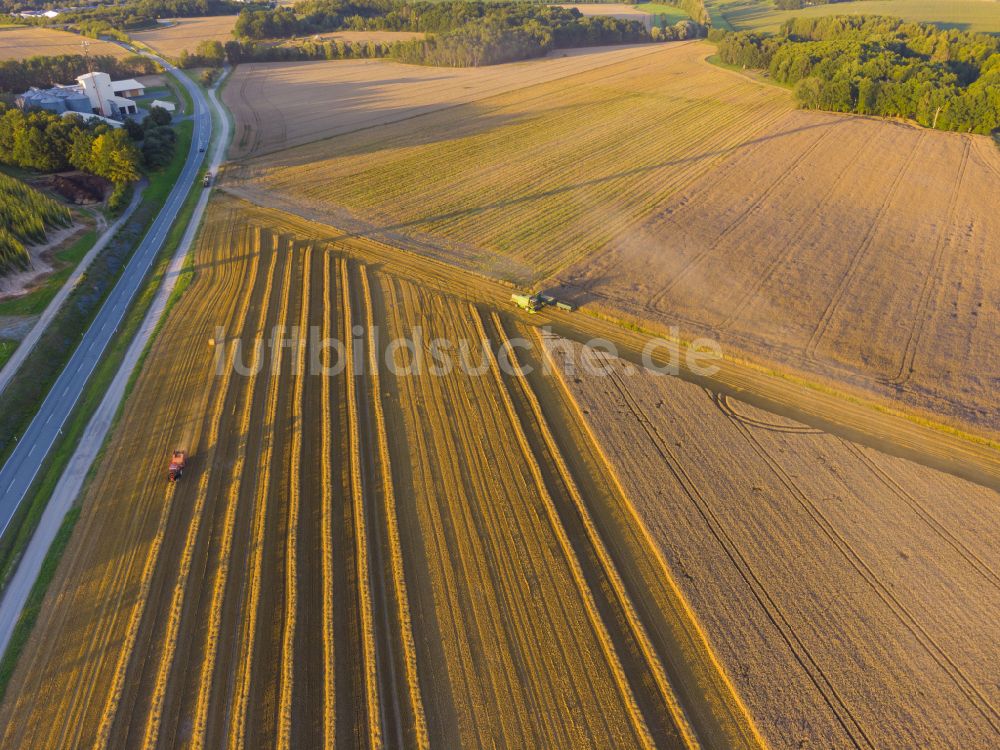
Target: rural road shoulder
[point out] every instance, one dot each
(72, 479)
(28, 342)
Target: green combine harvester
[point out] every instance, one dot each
(535, 302)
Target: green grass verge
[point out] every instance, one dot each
(29, 615)
(185, 96)
(666, 14)
(28, 515)
(7, 347)
(22, 396)
(35, 301)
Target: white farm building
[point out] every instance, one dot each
(94, 93)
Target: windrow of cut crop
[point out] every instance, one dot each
(166, 657)
(126, 653)
(705, 662)
(639, 631)
(326, 532)
(244, 669)
(643, 734)
(392, 530)
(291, 543)
(207, 674)
(370, 668)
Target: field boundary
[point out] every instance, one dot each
(884, 426)
(710, 668)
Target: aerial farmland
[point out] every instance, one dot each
(20, 42)
(605, 396)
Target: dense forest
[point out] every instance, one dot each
(25, 214)
(874, 65)
(17, 76)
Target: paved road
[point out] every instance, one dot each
(28, 342)
(71, 481)
(22, 467)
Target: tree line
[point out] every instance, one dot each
(25, 215)
(461, 33)
(47, 142)
(17, 76)
(799, 4)
(319, 16)
(876, 65)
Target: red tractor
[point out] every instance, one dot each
(176, 470)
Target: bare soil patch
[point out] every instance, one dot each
(79, 188)
(21, 282)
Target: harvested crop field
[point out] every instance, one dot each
(377, 560)
(279, 105)
(178, 34)
(669, 192)
(787, 247)
(850, 596)
(525, 183)
(19, 42)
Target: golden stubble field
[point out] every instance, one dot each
(175, 35)
(380, 560)
(857, 249)
(278, 105)
(19, 42)
(666, 191)
(851, 596)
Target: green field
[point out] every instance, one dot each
(967, 15)
(668, 14)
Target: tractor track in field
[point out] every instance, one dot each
(781, 258)
(926, 515)
(881, 588)
(932, 279)
(851, 725)
(859, 255)
(755, 205)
